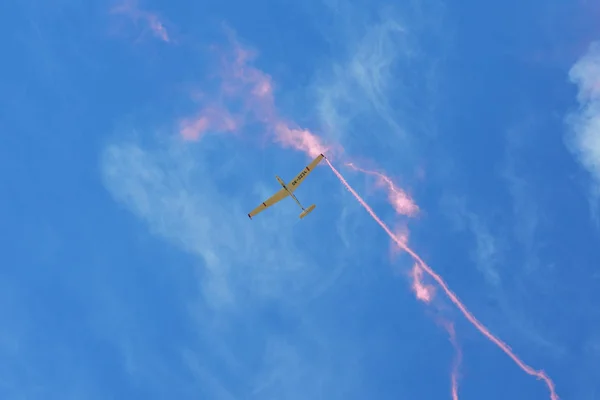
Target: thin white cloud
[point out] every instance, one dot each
(174, 188)
(507, 283)
(507, 247)
(486, 251)
(527, 215)
(382, 84)
(584, 136)
(359, 85)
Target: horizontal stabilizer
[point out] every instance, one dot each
(307, 211)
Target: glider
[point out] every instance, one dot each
(288, 190)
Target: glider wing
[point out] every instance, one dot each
(294, 183)
(280, 195)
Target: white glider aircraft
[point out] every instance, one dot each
(288, 190)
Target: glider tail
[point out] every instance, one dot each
(307, 211)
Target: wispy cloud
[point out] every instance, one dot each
(176, 189)
(525, 270)
(175, 192)
(506, 246)
(363, 94)
(527, 214)
(583, 139)
(486, 250)
(151, 20)
(360, 84)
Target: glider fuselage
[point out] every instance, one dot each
(282, 183)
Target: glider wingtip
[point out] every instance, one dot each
(249, 216)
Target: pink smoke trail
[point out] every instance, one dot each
(457, 360)
(453, 297)
(426, 293)
(255, 88)
(401, 201)
(402, 233)
(210, 118)
(423, 292)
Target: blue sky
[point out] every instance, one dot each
(130, 269)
